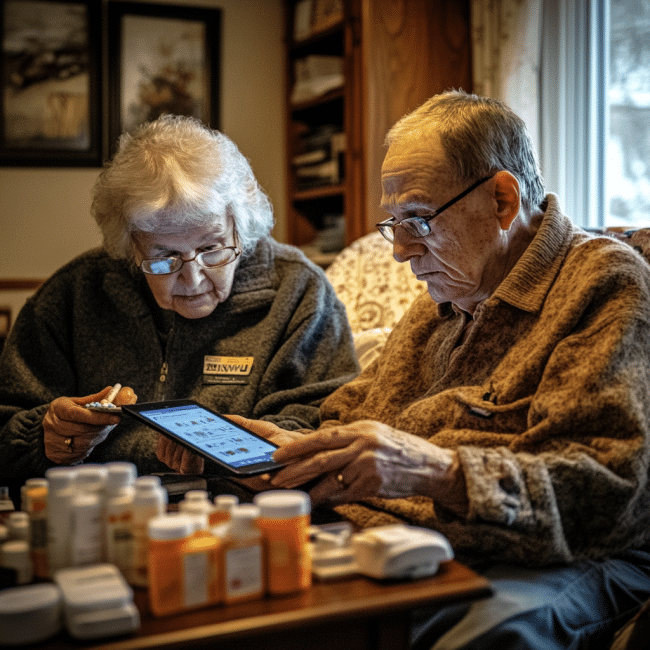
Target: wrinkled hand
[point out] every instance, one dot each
(184, 461)
(369, 459)
(72, 431)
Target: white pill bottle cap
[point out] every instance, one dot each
(283, 504)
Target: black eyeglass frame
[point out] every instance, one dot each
(387, 227)
(198, 258)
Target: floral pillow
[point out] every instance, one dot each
(375, 289)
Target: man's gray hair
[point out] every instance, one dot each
(175, 173)
(480, 136)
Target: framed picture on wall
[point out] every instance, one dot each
(163, 59)
(50, 109)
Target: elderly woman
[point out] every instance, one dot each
(512, 411)
(188, 298)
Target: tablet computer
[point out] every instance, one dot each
(211, 435)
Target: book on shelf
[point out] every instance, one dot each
(310, 157)
(302, 19)
(326, 13)
(327, 171)
(320, 159)
(313, 16)
(316, 75)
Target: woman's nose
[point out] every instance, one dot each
(192, 273)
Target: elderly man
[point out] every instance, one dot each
(512, 411)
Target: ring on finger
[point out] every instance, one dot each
(69, 443)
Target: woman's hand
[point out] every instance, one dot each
(369, 459)
(182, 460)
(73, 431)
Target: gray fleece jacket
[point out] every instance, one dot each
(94, 323)
(547, 402)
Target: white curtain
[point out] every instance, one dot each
(507, 45)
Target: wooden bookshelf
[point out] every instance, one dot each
(395, 55)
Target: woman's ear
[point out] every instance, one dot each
(507, 197)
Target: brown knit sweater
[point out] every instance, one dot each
(547, 402)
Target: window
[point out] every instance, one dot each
(595, 109)
(627, 150)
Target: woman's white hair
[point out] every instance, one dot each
(480, 136)
(175, 173)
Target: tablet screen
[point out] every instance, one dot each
(214, 435)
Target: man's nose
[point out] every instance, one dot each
(406, 246)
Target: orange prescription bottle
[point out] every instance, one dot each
(223, 504)
(243, 556)
(202, 566)
(36, 498)
(284, 521)
(184, 568)
(165, 565)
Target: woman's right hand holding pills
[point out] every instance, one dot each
(71, 431)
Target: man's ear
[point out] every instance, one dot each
(508, 199)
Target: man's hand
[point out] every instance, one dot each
(369, 459)
(73, 431)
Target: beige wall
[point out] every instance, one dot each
(44, 212)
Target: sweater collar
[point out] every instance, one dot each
(530, 280)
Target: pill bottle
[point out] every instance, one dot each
(149, 501)
(166, 535)
(6, 504)
(15, 554)
(184, 569)
(118, 475)
(284, 521)
(118, 513)
(196, 502)
(223, 504)
(118, 528)
(243, 555)
(59, 517)
(18, 526)
(202, 565)
(90, 478)
(36, 508)
(30, 483)
(87, 538)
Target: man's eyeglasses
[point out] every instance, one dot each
(419, 226)
(207, 260)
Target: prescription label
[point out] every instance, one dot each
(244, 571)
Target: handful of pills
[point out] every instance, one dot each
(106, 405)
(103, 408)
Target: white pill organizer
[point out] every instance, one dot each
(29, 614)
(400, 551)
(97, 601)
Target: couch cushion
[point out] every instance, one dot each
(375, 289)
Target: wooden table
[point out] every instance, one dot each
(354, 613)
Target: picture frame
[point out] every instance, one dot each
(50, 83)
(163, 59)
